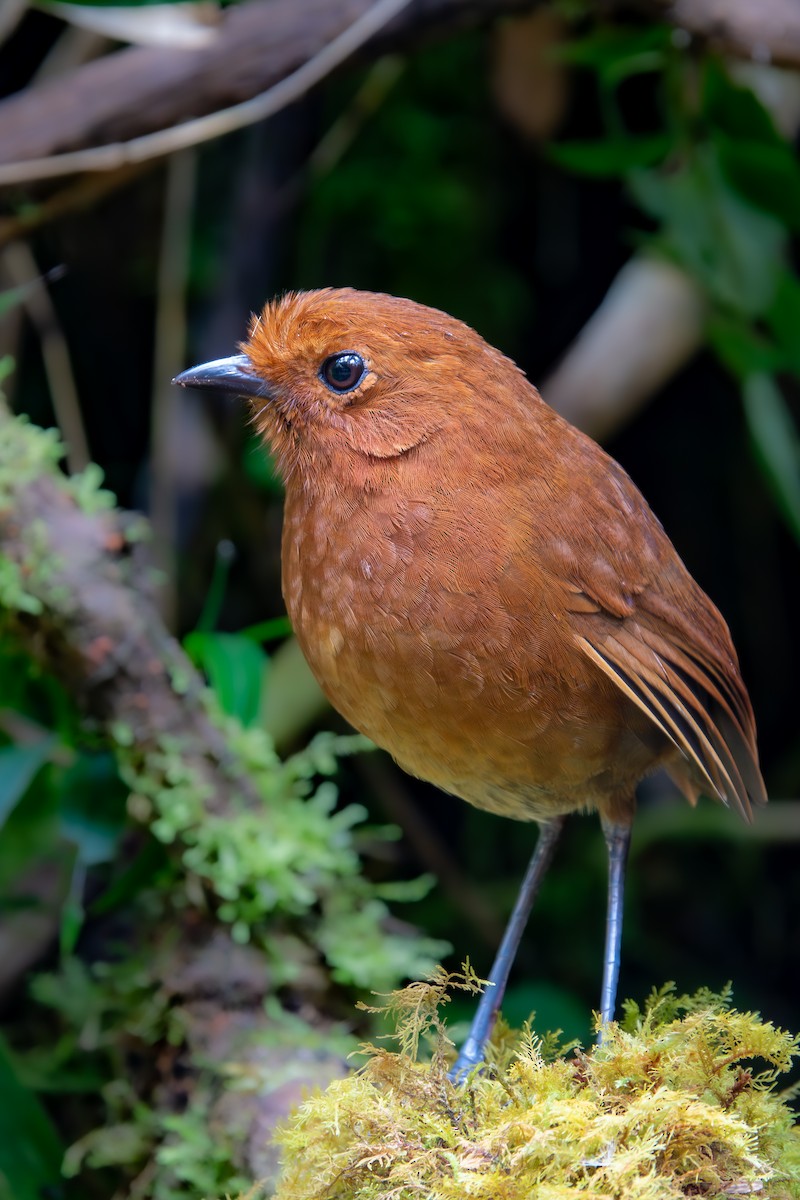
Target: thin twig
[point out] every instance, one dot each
(169, 357)
(21, 268)
(205, 129)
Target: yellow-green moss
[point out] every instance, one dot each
(679, 1100)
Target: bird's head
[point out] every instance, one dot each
(341, 376)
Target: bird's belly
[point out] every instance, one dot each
(482, 717)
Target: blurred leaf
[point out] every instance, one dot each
(224, 556)
(617, 53)
(260, 468)
(742, 349)
(776, 443)
(752, 153)
(235, 666)
(735, 110)
(612, 156)
(18, 765)
(73, 914)
(92, 803)
(30, 832)
(783, 317)
(735, 251)
(293, 700)
(766, 175)
(269, 631)
(30, 1149)
(124, 1144)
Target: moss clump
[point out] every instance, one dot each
(678, 1101)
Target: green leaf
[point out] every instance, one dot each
(18, 765)
(766, 175)
(93, 807)
(269, 631)
(617, 53)
(776, 443)
(743, 350)
(732, 249)
(735, 110)
(224, 557)
(612, 156)
(236, 667)
(755, 158)
(30, 1149)
(783, 317)
(260, 467)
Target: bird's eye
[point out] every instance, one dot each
(342, 372)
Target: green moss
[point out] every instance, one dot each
(679, 1100)
(294, 855)
(28, 453)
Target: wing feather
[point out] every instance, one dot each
(686, 695)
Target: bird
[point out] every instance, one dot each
(483, 591)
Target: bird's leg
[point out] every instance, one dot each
(489, 1003)
(618, 839)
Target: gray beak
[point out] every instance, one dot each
(232, 374)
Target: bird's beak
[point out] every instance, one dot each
(232, 374)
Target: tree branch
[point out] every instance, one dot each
(85, 611)
(139, 90)
(142, 89)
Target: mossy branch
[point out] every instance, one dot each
(73, 582)
(259, 845)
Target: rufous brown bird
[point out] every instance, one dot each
(480, 589)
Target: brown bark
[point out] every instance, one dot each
(141, 89)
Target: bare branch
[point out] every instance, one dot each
(112, 156)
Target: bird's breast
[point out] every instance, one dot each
(427, 631)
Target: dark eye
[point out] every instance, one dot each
(342, 372)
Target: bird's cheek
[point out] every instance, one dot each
(387, 434)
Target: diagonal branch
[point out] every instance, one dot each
(134, 92)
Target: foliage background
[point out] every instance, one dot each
(407, 176)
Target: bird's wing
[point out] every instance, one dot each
(639, 616)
